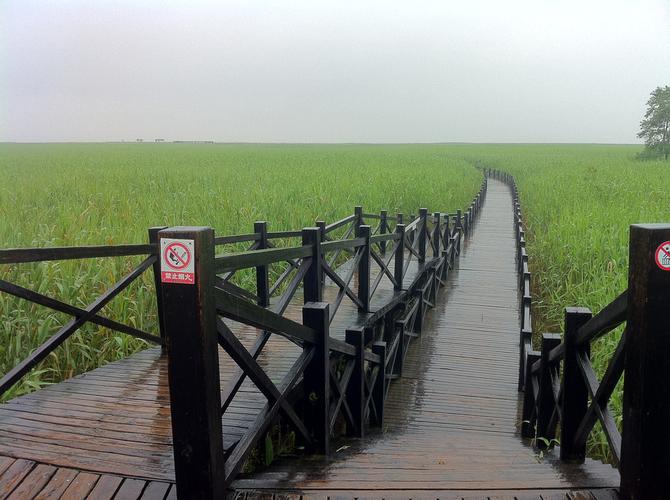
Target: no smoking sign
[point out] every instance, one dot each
(662, 256)
(177, 264)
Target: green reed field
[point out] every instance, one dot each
(60, 195)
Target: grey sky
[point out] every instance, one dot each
(340, 71)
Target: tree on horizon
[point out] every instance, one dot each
(655, 126)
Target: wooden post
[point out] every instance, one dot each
(379, 387)
(436, 235)
(316, 379)
(312, 290)
(459, 231)
(189, 319)
(399, 257)
(645, 460)
(422, 227)
(262, 284)
(575, 401)
(358, 213)
(529, 417)
(364, 269)
(383, 215)
(356, 387)
(446, 235)
(153, 239)
(525, 341)
(545, 407)
(321, 224)
(399, 218)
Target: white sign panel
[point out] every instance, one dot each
(177, 264)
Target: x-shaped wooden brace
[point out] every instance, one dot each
(369, 383)
(243, 358)
(340, 387)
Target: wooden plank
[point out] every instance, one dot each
(33, 483)
(58, 483)
(13, 475)
(155, 490)
(106, 487)
(131, 489)
(80, 486)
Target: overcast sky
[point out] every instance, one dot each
(340, 71)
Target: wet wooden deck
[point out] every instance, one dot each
(451, 421)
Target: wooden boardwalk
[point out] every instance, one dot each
(451, 420)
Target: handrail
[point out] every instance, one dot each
(242, 260)
(283, 234)
(412, 225)
(339, 223)
(238, 238)
(22, 255)
(378, 238)
(611, 316)
(331, 246)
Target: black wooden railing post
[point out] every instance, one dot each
(379, 387)
(459, 231)
(546, 405)
(399, 218)
(447, 233)
(399, 263)
(316, 379)
(189, 318)
(575, 401)
(358, 216)
(383, 216)
(356, 387)
(321, 224)
(422, 228)
(645, 460)
(312, 290)
(436, 235)
(153, 239)
(364, 269)
(262, 282)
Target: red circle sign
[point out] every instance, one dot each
(177, 256)
(662, 256)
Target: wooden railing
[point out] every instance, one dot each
(330, 380)
(563, 397)
(80, 316)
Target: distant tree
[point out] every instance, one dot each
(655, 127)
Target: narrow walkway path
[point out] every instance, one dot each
(452, 420)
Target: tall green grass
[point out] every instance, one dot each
(60, 195)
